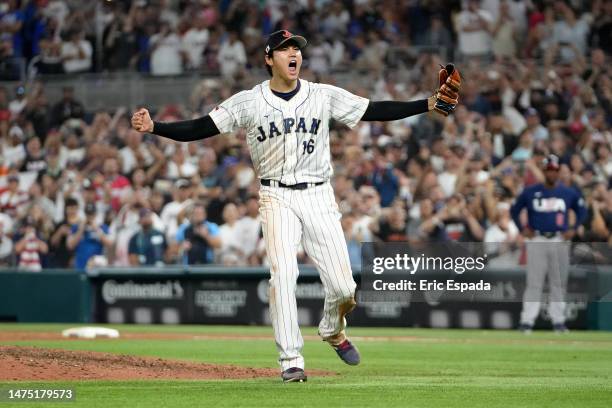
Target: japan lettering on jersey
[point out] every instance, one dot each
(289, 140)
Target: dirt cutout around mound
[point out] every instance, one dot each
(43, 364)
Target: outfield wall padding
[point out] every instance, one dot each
(230, 295)
(47, 296)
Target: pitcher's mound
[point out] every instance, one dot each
(33, 363)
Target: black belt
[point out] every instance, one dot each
(298, 186)
(547, 234)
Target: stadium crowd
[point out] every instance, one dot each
(82, 188)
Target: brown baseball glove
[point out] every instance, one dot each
(447, 95)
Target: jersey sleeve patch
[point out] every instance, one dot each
(233, 113)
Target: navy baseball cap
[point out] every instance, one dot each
(278, 38)
(551, 162)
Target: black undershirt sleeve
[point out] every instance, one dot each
(187, 130)
(204, 127)
(392, 110)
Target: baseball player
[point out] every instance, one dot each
(287, 124)
(548, 247)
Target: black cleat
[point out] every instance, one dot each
(348, 353)
(294, 374)
(525, 328)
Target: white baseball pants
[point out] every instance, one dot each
(309, 216)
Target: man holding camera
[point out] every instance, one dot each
(88, 238)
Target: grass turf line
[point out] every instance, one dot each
(405, 367)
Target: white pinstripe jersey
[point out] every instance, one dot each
(289, 140)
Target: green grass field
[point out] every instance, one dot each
(400, 368)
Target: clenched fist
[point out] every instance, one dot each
(141, 121)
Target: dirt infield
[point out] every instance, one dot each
(33, 363)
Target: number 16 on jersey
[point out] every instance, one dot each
(308, 146)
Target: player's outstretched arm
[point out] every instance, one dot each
(394, 110)
(444, 101)
(182, 131)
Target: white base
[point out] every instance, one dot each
(91, 332)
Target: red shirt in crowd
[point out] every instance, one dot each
(119, 187)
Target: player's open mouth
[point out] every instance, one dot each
(292, 66)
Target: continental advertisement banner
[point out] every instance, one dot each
(227, 296)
